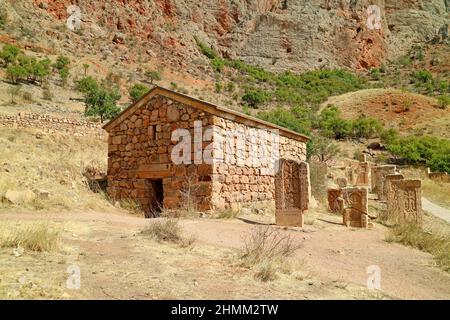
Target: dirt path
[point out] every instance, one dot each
(435, 209)
(329, 251)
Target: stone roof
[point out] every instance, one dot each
(204, 106)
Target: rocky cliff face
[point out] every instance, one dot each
(277, 34)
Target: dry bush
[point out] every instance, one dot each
(168, 230)
(35, 237)
(412, 235)
(267, 245)
(266, 272)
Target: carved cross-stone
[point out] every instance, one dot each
(292, 190)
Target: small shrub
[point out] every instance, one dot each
(423, 76)
(266, 244)
(47, 94)
(14, 91)
(205, 49)
(137, 91)
(168, 230)
(266, 272)
(27, 96)
(230, 86)
(218, 87)
(218, 64)
(153, 75)
(254, 97)
(443, 101)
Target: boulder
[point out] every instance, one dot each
(19, 197)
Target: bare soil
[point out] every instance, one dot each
(117, 262)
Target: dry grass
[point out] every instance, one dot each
(434, 190)
(225, 214)
(168, 230)
(432, 242)
(39, 237)
(267, 250)
(32, 160)
(437, 191)
(133, 207)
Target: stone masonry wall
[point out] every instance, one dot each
(51, 124)
(140, 149)
(245, 179)
(215, 178)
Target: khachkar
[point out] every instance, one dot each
(292, 191)
(378, 175)
(404, 202)
(352, 202)
(335, 200)
(356, 207)
(387, 185)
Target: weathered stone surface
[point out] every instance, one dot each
(334, 200)
(387, 185)
(292, 190)
(352, 202)
(356, 206)
(378, 174)
(341, 182)
(404, 202)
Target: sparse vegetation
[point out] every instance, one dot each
(153, 76)
(168, 230)
(265, 248)
(132, 207)
(412, 235)
(444, 101)
(3, 18)
(38, 237)
(14, 92)
(61, 158)
(137, 91)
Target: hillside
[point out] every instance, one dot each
(407, 112)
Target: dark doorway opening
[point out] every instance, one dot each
(156, 198)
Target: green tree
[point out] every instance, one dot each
(62, 65)
(255, 97)
(322, 148)
(9, 54)
(16, 73)
(87, 84)
(137, 91)
(102, 102)
(153, 76)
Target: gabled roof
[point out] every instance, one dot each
(204, 106)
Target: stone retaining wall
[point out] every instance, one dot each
(47, 123)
